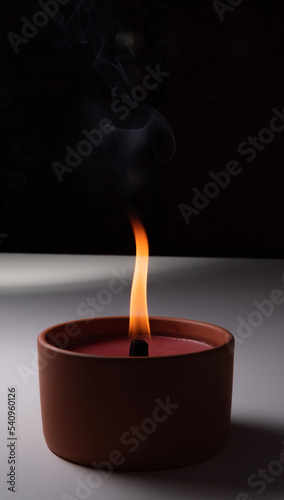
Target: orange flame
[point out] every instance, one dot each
(139, 319)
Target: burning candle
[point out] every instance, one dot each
(165, 405)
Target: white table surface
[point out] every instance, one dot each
(37, 291)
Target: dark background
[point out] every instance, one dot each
(225, 78)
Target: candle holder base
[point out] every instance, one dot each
(135, 413)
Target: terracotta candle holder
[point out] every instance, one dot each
(135, 413)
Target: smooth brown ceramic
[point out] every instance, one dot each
(91, 404)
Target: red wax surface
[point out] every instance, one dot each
(118, 346)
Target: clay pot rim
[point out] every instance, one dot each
(226, 338)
